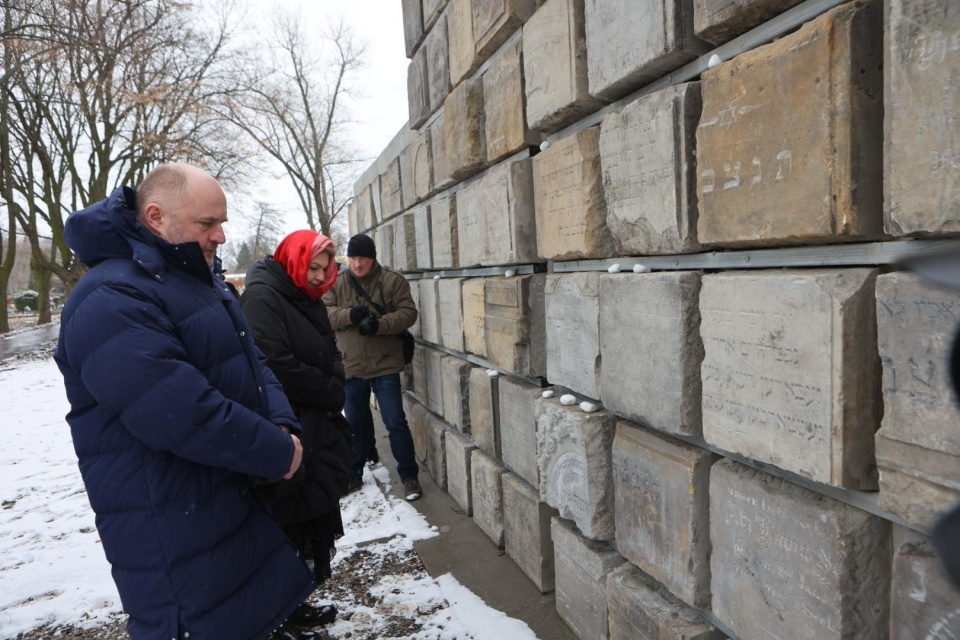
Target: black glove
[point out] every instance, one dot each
(369, 326)
(358, 313)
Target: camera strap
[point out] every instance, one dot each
(363, 294)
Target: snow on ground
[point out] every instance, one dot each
(53, 570)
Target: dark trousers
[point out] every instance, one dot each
(357, 409)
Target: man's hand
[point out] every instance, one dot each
(369, 326)
(297, 457)
(358, 313)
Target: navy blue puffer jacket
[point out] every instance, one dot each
(172, 408)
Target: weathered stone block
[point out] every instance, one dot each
(443, 223)
(923, 601)
(757, 145)
(352, 225)
(408, 192)
(456, 392)
(459, 455)
(415, 294)
(366, 215)
(412, 25)
(630, 42)
(435, 380)
(463, 52)
(438, 64)
(505, 125)
(663, 510)
(581, 567)
(494, 21)
(572, 312)
(405, 242)
(718, 21)
(793, 564)
(429, 309)
(573, 460)
(790, 372)
(514, 324)
(486, 479)
(418, 97)
(555, 66)
(649, 172)
(656, 380)
(474, 316)
(438, 147)
(417, 421)
(436, 462)
(465, 144)
(918, 445)
(418, 370)
(496, 213)
(391, 197)
(423, 165)
(568, 194)
(921, 129)
(518, 428)
(432, 10)
(383, 238)
(526, 531)
(484, 404)
(639, 608)
(422, 234)
(451, 313)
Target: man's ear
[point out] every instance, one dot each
(153, 217)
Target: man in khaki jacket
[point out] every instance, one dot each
(369, 307)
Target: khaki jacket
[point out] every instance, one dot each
(372, 356)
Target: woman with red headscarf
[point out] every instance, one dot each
(281, 301)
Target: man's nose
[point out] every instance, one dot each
(218, 236)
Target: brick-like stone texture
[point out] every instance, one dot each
(572, 312)
(793, 564)
(429, 310)
(514, 324)
(719, 21)
(774, 117)
(465, 144)
(526, 531)
(459, 455)
(494, 21)
(422, 234)
(923, 601)
(463, 52)
(391, 196)
(418, 99)
(434, 401)
(383, 237)
(456, 392)
(422, 165)
(506, 127)
(790, 371)
(412, 25)
(451, 312)
(405, 242)
(474, 314)
(486, 478)
(518, 428)
(438, 147)
(436, 459)
(443, 223)
(438, 64)
(485, 411)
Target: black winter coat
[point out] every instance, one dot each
(301, 348)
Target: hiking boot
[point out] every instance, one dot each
(412, 490)
(373, 458)
(309, 616)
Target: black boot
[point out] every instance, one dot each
(307, 616)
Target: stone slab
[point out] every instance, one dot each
(436, 460)
(444, 237)
(555, 67)
(921, 128)
(407, 189)
(459, 456)
(438, 64)
(923, 601)
(474, 316)
(432, 11)
(366, 214)
(456, 392)
(412, 25)
(352, 224)
(496, 212)
(383, 238)
(630, 42)
(465, 144)
(494, 21)
(463, 52)
(648, 155)
(662, 510)
(429, 308)
(719, 21)
(504, 122)
(793, 564)
(423, 165)
(638, 608)
(438, 147)
(790, 375)
(434, 380)
(405, 242)
(518, 428)
(451, 312)
(774, 117)
(417, 420)
(572, 320)
(657, 380)
(569, 199)
(918, 445)
(418, 97)
(526, 531)
(573, 460)
(484, 402)
(486, 478)
(415, 294)
(423, 235)
(581, 567)
(418, 372)
(391, 196)
(514, 324)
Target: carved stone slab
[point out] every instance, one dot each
(436, 462)
(422, 233)
(438, 145)
(918, 445)
(582, 567)
(639, 608)
(412, 25)
(921, 128)
(432, 10)
(407, 188)
(789, 372)
(486, 477)
(459, 455)
(391, 197)
(514, 324)
(719, 21)
(435, 380)
(656, 381)
(526, 531)
(494, 21)
(383, 239)
(923, 602)
(484, 403)
(649, 171)
(465, 144)
(663, 510)
(438, 64)
(405, 242)
(451, 313)
(456, 392)
(569, 198)
(418, 98)
(445, 240)
(555, 67)
(429, 309)
(757, 145)
(793, 564)
(416, 419)
(463, 52)
(415, 294)
(474, 316)
(423, 165)
(518, 428)
(366, 215)
(630, 42)
(572, 308)
(352, 225)
(504, 121)
(418, 371)
(573, 458)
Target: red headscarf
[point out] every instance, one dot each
(297, 250)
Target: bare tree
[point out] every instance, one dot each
(290, 102)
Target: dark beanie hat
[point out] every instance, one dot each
(361, 246)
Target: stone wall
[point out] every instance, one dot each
(763, 445)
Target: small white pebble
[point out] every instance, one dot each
(713, 61)
(544, 145)
(509, 273)
(493, 373)
(588, 407)
(641, 268)
(436, 277)
(548, 393)
(614, 268)
(568, 399)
